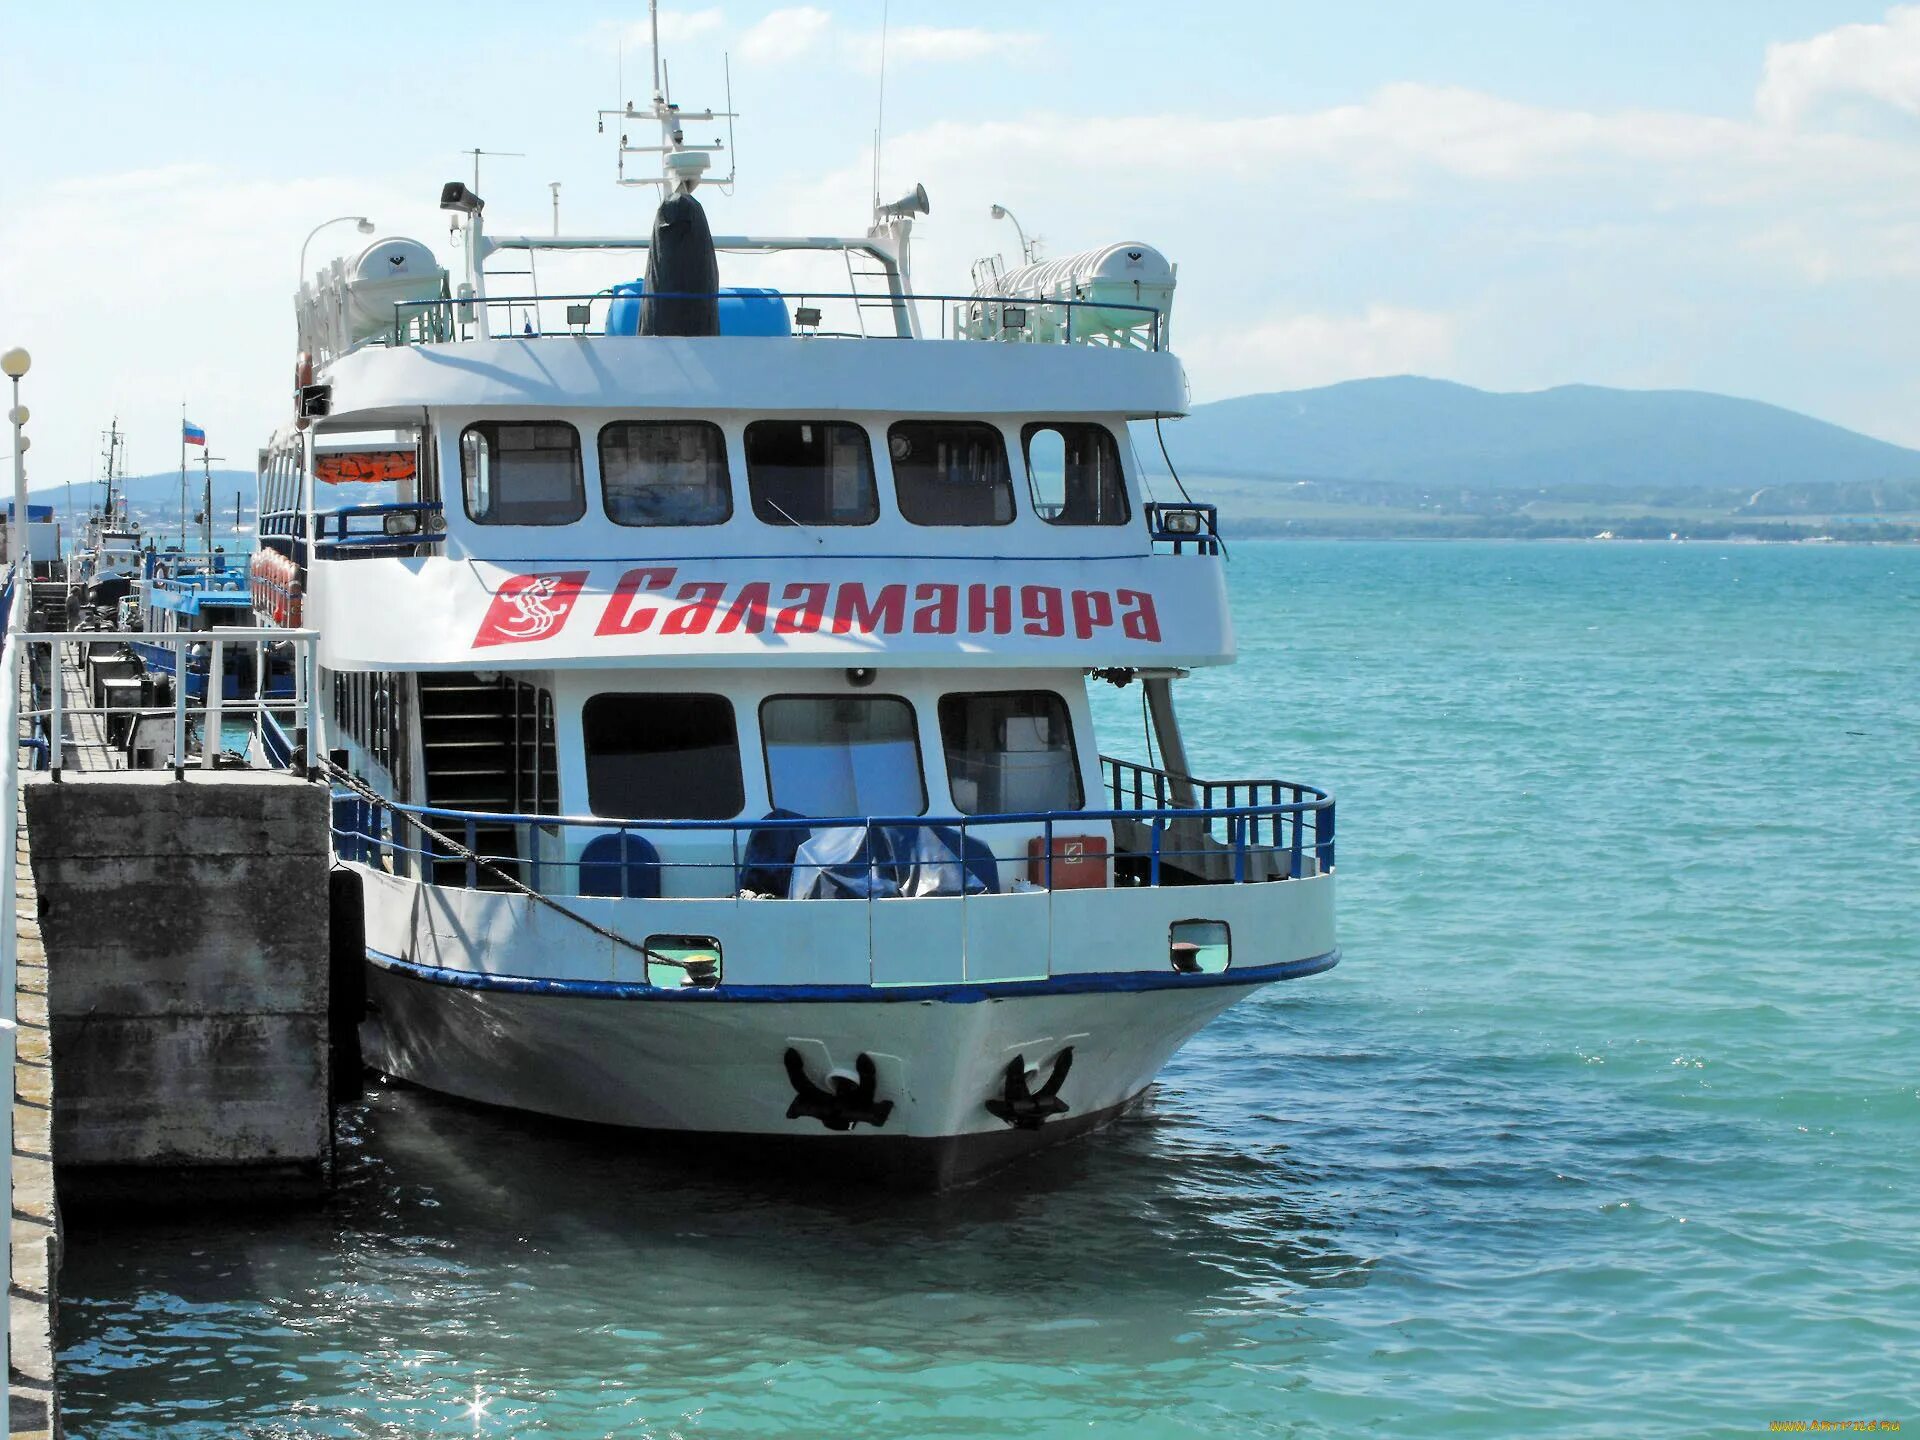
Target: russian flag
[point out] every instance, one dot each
(192, 434)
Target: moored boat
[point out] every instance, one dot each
(706, 690)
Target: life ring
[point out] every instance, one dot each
(302, 377)
(276, 588)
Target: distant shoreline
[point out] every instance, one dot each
(1230, 535)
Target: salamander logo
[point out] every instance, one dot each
(530, 607)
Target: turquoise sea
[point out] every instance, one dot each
(1608, 1125)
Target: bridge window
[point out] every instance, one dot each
(1009, 752)
(843, 755)
(666, 472)
(517, 473)
(1074, 472)
(950, 472)
(811, 472)
(662, 757)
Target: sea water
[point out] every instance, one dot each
(1608, 1124)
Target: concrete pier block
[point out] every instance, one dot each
(185, 929)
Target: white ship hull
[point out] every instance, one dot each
(716, 1068)
(490, 998)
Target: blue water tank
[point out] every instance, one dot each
(744, 310)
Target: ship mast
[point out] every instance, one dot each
(114, 441)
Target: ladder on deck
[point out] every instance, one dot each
(871, 286)
(471, 755)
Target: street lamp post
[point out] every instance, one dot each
(361, 223)
(15, 363)
(1000, 212)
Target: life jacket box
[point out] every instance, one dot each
(1079, 861)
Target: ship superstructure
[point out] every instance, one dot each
(706, 673)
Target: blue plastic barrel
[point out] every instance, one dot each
(744, 310)
(623, 315)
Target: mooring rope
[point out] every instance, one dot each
(487, 863)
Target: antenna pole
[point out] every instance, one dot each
(880, 119)
(653, 15)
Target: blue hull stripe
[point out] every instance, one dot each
(1118, 983)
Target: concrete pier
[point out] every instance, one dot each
(185, 929)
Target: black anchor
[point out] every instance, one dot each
(1030, 1109)
(849, 1103)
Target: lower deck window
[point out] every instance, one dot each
(837, 755)
(662, 757)
(1009, 752)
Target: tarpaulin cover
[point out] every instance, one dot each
(859, 862)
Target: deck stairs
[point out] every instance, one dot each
(470, 750)
(876, 308)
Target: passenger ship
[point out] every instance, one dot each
(705, 686)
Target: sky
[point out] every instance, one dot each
(1703, 194)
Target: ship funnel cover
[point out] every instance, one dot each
(683, 277)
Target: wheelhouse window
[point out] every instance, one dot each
(662, 757)
(1009, 752)
(811, 472)
(665, 472)
(830, 755)
(517, 473)
(950, 472)
(1074, 472)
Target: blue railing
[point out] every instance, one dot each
(1184, 524)
(1271, 836)
(417, 322)
(1298, 818)
(183, 565)
(350, 529)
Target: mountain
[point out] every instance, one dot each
(1406, 430)
(156, 491)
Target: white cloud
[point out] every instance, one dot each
(803, 30)
(1879, 62)
(785, 35)
(676, 27)
(936, 45)
(141, 289)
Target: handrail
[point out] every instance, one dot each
(1145, 782)
(342, 538)
(811, 822)
(1204, 535)
(215, 642)
(1172, 833)
(456, 308)
(13, 618)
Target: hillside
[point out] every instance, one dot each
(1406, 430)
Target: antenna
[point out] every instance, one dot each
(880, 118)
(683, 163)
(476, 153)
(206, 502)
